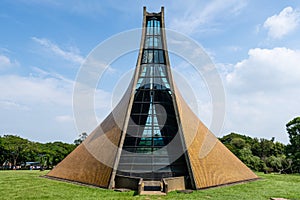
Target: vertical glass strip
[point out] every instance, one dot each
(153, 123)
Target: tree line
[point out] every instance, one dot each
(267, 155)
(16, 152)
(258, 154)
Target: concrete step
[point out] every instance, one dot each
(152, 185)
(152, 193)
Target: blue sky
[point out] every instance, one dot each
(254, 44)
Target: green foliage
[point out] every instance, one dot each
(258, 154)
(293, 149)
(253, 162)
(15, 147)
(17, 151)
(81, 138)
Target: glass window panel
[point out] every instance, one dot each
(147, 133)
(156, 128)
(133, 133)
(140, 81)
(158, 81)
(157, 133)
(150, 69)
(149, 42)
(162, 70)
(155, 121)
(165, 81)
(130, 141)
(128, 150)
(149, 137)
(158, 141)
(138, 85)
(144, 150)
(145, 142)
(156, 70)
(161, 160)
(160, 151)
(123, 167)
(155, 42)
(143, 160)
(141, 168)
(164, 169)
(156, 60)
(126, 159)
(145, 56)
(150, 56)
(150, 30)
(157, 86)
(149, 121)
(161, 57)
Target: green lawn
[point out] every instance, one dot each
(28, 185)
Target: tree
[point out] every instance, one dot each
(258, 154)
(15, 147)
(263, 148)
(56, 151)
(81, 138)
(3, 153)
(17, 150)
(279, 164)
(293, 149)
(251, 161)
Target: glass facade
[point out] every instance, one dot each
(152, 125)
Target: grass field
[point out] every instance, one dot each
(29, 185)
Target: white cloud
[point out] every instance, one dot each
(283, 23)
(71, 55)
(64, 118)
(29, 105)
(263, 93)
(8, 105)
(6, 62)
(31, 90)
(39, 106)
(266, 68)
(197, 14)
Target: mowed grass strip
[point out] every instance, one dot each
(29, 185)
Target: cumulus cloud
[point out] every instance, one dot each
(72, 55)
(266, 69)
(263, 93)
(283, 23)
